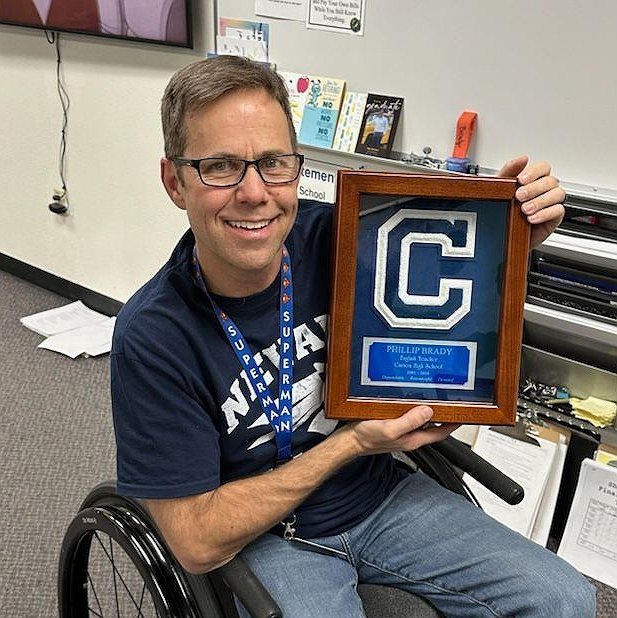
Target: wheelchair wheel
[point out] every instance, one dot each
(109, 568)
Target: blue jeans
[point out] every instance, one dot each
(428, 541)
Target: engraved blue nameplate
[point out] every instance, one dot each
(423, 363)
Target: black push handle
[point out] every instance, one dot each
(478, 468)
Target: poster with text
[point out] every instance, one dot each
(344, 16)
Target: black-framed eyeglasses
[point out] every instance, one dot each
(222, 172)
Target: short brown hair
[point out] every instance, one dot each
(193, 87)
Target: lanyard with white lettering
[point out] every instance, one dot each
(280, 417)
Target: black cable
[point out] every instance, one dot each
(65, 102)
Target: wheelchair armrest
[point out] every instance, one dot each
(250, 591)
(478, 468)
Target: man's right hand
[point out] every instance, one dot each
(405, 433)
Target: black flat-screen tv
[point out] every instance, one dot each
(167, 22)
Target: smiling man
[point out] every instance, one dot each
(218, 368)
(240, 212)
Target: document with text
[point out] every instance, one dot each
(529, 463)
(589, 541)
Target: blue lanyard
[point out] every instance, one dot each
(280, 417)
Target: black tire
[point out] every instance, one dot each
(139, 574)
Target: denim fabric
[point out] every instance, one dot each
(428, 541)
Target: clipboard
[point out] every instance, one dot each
(532, 455)
(517, 432)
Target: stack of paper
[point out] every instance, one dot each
(531, 463)
(72, 330)
(239, 37)
(599, 412)
(589, 540)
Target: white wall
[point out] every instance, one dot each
(121, 225)
(540, 74)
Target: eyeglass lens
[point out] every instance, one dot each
(278, 169)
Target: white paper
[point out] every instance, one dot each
(542, 526)
(61, 319)
(589, 541)
(282, 9)
(527, 464)
(90, 340)
(318, 182)
(343, 16)
(466, 434)
(254, 50)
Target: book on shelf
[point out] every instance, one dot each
(379, 122)
(350, 121)
(298, 89)
(321, 111)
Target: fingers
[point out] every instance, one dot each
(412, 419)
(388, 431)
(540, 195)
(535, 187)
(534, 171)
(540, 192)
(384, 436)
(552, 214)
(551, 197)
(422, 437)
(513, 168)
(541, 199)
(545, 222)
(407, 432)
(535, 179)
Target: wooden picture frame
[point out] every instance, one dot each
(447, 330)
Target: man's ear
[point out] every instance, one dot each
(172, 182)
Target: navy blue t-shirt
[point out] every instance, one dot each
(187, 419)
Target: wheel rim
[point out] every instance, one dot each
(114, 585)
(107, 570)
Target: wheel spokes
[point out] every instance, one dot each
(119, 584)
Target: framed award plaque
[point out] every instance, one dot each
(428, 286)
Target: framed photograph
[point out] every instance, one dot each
(428, 287)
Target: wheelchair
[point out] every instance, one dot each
(114, 562)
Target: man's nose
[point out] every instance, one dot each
(252, 187)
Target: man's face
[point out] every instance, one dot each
(239, 230)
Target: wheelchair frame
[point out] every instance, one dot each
(176, 593)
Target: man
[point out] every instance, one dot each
(380, 123)
(195, 377)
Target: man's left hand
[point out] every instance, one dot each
(540, 195)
